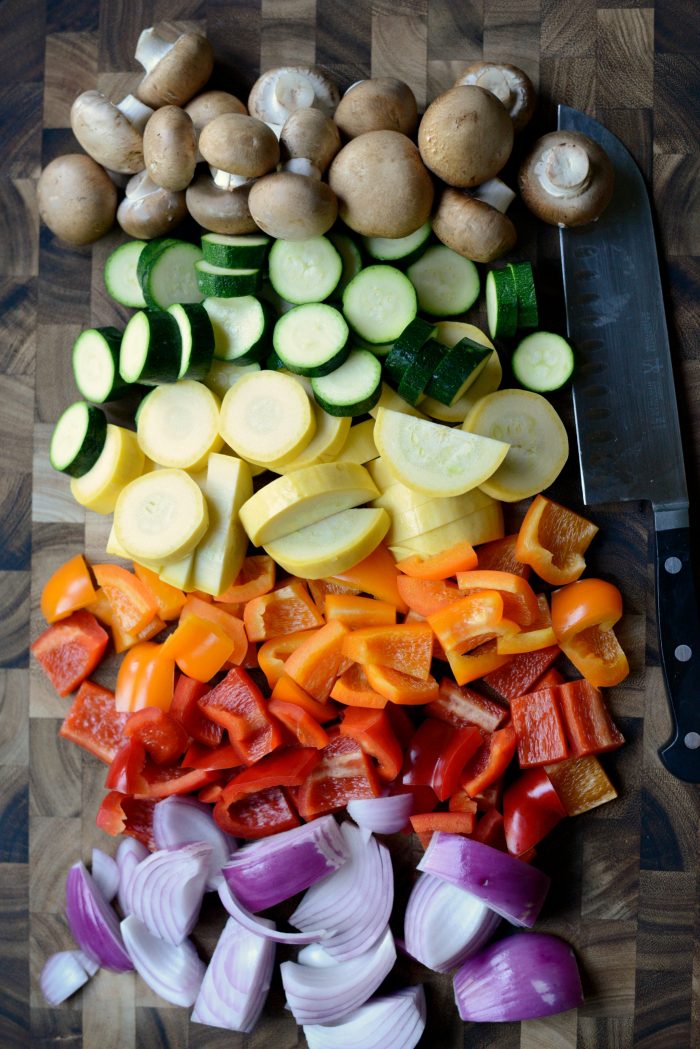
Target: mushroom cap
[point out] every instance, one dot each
(180, 73)
(210, 104)
(106, 134)
(465, 136)
(77, 199)
(310, 134)
(169, 148)
(472, 228)
(220, 210)
(149, 210)
(292, 207)
(281, 91)
(510, 84)
(240, 145)
(380, 104)
(568, 204)
(383, 189)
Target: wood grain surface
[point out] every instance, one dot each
(626, 877)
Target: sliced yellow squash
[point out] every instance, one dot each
(480, 527)
(225, 374)
(390, 399)
(115, 549)
(219, 554)
(121, 461)
(380, 472)
(267, 418)
(539, 445)
(179, 573)
(178, 425)
(160, 516)
(332, 545)
(434, 514)
(400, 499)
(359, 446)
(303, 498)
(330, 436)
(432, 458)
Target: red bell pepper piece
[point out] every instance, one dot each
(539, 727)
(285, 768)
(491, 797)
(437, 755)
(489, 830)
(303, 727)
(93, 723)
(160, 781)
(70, 650)
(520, 674)
(372, 730)
(401, 723)
(163, 737)
(462, 706)
(236, 704)
(425, 824)
(461, 802)
(589, 726)
(185, 709)
(490, 761)
(226, 756)
(424, 798)
(531, 809)
(257, 815)
(343, 773)
(549, 679)
(211, 793)
(125, 770)
(122, 814)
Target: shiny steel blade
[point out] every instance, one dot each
(624, 399)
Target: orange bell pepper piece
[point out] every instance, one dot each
(583, 616)
(146, 678)
(168, 598)
(133, 604)
(553, 541)
(284, 611)
(402, 689)
(581, 784)
(199, 647)
(458, 558)
(314, 664)
(274, 653)
(519, 599)
(231, 626)
(538, 635)
(358, 612)
(499, 556)
(286, 690)
(475, 664)
(373, 731)
(68, 589)
(471, 621)
(256, 577)
(426, 823)
(376, 575)
(321, 588)
(123, 641)
(354, 690)
(539, 728)
(425, 596)
(407, 647)
(300, 723)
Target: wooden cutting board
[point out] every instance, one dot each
(625, 877)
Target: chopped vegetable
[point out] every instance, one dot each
(531, 808)
(93, 722)
(553, 541)
(445, 925)
(583, 615)
(70, 650)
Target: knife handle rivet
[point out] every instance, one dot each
(673, 565)
(683, 653)
(692, 740)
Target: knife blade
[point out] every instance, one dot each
(626, 414)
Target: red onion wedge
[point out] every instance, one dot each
(93, 923)
(513, 889)
(180, 820)
(354, 904)
(382, 815)
(173, 972)
(315, 955)
(237, 979)
(260, 926)
(64, 974)
(130, 853)
(271, 870)
(167, 888)
(321, 995)
(105, 874)
(444, 925)
(394, 1021)
(520, 978)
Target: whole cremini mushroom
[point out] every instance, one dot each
(309, 135)
(111, 134)
(382, 186)
(169, 148)
(148, 210)
(281, 91)
(465, 136)
(220, 210)
(239, 146)
(380, 104)
(77, 199)
(473, 223)
(292, 206)
(175, 70)
(511, 86)
(209, 104)
(566, 179)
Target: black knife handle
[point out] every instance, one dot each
(679, 637)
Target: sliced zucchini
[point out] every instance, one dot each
(196, 339)
(225, 283)
(242, 252)
(267, 418)
(121, 274)
(334, 544)
(501, 303)
(417, 377)
(351, 259)
(406, 348)
(457, 369)
(538, 442)
(528, 314)
(219, 554)
(543, 362)
(446, 283)
(242, 326)
(304, 271)
(166, 273)
(402, 250)
(161, 516)
(151, 348)
(224, 374)
(353, 388)
(379, 304)
(311, 339)
(95, 359)
(178, 425)
(359, 446)
(78, 439)
(488, 380)
(120, 461)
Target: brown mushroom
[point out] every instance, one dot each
(472, 227)
(281, 91)
(77, 199)
(465, 136)
(169, 148)
(380, 104)
(203, 108)
(308, 134)
(566, 179)
(149, 210)
(111, 134)
(383, 189)
(220, 210)
(239, 145)
(175, 70)
(291, 206)
(511, 86)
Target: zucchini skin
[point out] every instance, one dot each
(92, 446)
(163, 354)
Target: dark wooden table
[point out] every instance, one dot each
(626, 877)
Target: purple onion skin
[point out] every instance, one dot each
(93, 923)
(523, 977)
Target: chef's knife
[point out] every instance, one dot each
(626, 415)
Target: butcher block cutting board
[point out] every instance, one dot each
(626, 882)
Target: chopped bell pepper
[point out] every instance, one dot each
(321, 588)
(462, 707)
(185, 709)
(286, 768)
(307, 731)
(162, 781)
(146, 678)
(403, 689)
(70, 650)
(226, 756)
(133, 604)
(425, 824)
(168, 598)
(284, 611)
(122, 814)
(461, 802)
(471, 621)
(519, 599)
(231, 625)
(583, 617)
(407, 647)
(274, 653)
(257, 815)
(458, 558)
(549, 679)
(163, 736)
(581, 784)
(520, 673)
(237, 704)
(539, 727)
(376, 575)
(68, 589)
(93, 722)
(589, 726)
(499, 556)
(356, 612)
(124, 772)
(343, 773)
(199, 647)
(287, 691)
(553, 540)
(437, 755)
(489, 830)
(256, 577)
(476, 664)
(531, 809)
(315, 663)
(490, 761)
(426, 596)
(102, 610)
(373, 731)
(354, 690)
(538, 635)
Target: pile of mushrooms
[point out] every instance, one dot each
(298, 156)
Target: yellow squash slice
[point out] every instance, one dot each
(332, 545)
(160, 516)
(330, 436)
(359, 446)
(121, 461)
(179, 573)
(480, 527)
(219, 554)
(434, 514)
(267, 418)
(178, 425)
(390, 399)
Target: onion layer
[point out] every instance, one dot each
(382, 815)
(237, 979)
(180, 820)
(396, 1021)
(174, 973)
(520, 978)
(130, 853)
(445, 925)
(64, 974)
(93, 923)
(167, 888)
(260, 926)
(105, 874)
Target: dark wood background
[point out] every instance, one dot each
(626, 878)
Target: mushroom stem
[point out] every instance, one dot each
(564, 170)
(135, 111)
(496, 80)
(302, 166)
(354, 84)
(495, 193)
(150, 48)
(227, 179)
(294, 91)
